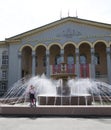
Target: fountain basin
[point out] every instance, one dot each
(65, 100)
(65, 110)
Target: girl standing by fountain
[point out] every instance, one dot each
(32, 96)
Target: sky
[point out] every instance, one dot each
(18, 16)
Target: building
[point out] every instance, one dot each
(84, 45)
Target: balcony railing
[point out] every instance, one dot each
(84, 69)
(58, 68)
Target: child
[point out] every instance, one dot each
(32, 96)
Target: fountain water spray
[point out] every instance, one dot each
(99, 92)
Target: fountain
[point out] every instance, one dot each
(63, 94)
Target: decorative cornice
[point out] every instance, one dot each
(2, 43)
(12, 41)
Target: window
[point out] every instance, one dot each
(97, 59)
(5, 58)
(70, 60)
(4, 74)
(3, 86)
(83, 59)
(57, 60)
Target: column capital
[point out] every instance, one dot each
(62, 55)
(77, 51)
(33, 53)
(108, 51)
(19, 54)
(47, 52)
(92, 51)
(62, 51)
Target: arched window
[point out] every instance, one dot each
(70, 59)
(57, 60)
(83, 59)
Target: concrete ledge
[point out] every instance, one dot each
(56, 111)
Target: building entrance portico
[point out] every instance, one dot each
(83, 60)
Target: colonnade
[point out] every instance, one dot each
(77, 70)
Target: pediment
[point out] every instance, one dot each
(68, 28)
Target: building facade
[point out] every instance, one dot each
(85, 47)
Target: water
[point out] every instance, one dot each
(100, 92)
(19, 91)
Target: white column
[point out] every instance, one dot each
(33, 63)
(19, 65)
(108, 64)
(62, 55)
(77, 63)
(92, 63)
(47, 63)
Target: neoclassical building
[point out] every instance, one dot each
(85, 47)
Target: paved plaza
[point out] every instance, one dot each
(54, 123)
